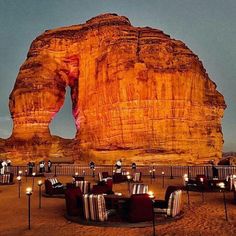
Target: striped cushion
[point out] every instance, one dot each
(53, 180)
(83, 185)
(232, 180)
(139, 189)
(94, 207)
(174, 203)
(100, 176)
(5, 178)
(137, 176)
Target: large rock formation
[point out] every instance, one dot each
(136, 93)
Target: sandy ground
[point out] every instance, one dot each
(200, 218)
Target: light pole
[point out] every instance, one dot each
(186, 186)
(150, 172)
(202, 187)
(128, 180)
(26, 173)
(153, 173)
(40, 183)
(33, 175)
(29, 193)
(222, 189)
(151, 195)
(19, 184)
(163, 179)
(93, 172)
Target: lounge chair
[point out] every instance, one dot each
(53, 186)
(171, 206)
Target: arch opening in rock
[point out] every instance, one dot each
(63, 123)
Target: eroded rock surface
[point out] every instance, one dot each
(133, 90)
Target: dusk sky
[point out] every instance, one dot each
(207, 27)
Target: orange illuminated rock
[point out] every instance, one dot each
(136, 93)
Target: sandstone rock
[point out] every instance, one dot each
(136, 94)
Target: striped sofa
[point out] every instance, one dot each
(53, 186)
(6, 178)
(172, 205)
(94, 207)
(83, 185)
(139, 189)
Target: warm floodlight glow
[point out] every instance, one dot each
(40, 182)
(18, 178)
(33, 174)
(221, 185)
(151, 194)
(28, 191)
(76, 173)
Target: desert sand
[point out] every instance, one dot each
(200, 218)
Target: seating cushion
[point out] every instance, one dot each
(139, 188)
(94, 207)
(83, 185)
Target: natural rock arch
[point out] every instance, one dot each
(135, 92)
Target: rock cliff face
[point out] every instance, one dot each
(136, 93)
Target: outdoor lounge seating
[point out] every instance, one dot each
(74, 204)
(95, 207)
(171, 206)
(140, 208)
(6, 178)
(53, 186)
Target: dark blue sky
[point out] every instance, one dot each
(207, 27)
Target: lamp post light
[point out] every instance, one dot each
(153, 173)
(151, 195)
(19, 184)
(26, 173)
(128, 179)
(29, 193)
(20, 172)
(163, 179)
(186, 186)
(33, 175)
(222, 189)
(202, 188)
(76, 174)
(150, 172)
(83, 172)
(40, 183)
